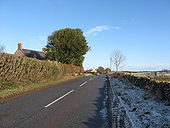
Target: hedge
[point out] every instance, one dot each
(16, 70)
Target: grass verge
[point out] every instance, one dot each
(8, 94)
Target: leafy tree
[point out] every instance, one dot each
(100, 70)
(108, 70)
(79, 61)
(67, 46)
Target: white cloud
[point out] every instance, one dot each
(44, 38)
(97, 29)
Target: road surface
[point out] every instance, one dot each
(73, 104)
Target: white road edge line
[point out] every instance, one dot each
(83, 83)
(58, 98)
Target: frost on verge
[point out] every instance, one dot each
(141, 107)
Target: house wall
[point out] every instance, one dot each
(19, 52)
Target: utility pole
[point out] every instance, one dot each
(111, 63)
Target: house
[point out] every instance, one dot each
(30, 53)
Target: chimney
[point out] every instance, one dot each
(19, 45)
(43, 49)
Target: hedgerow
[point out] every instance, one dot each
(16, 70)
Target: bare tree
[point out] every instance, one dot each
(117, 59)
(2, 48)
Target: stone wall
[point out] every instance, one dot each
(160, 89)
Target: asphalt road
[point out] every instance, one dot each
(73, 104)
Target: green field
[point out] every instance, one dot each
(158, 76)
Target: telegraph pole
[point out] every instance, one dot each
(111, 63)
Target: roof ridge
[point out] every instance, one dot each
(32, 50)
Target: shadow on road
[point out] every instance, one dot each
(97, 121)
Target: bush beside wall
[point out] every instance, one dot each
(16, 70)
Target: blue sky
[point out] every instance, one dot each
(140, 29)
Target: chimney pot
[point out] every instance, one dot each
(43, 49)
(19, 45)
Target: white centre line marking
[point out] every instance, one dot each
(59, 98)
(83, 83)
(91, 79)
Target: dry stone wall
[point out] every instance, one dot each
(160, 89)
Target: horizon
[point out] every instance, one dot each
(139, 29)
